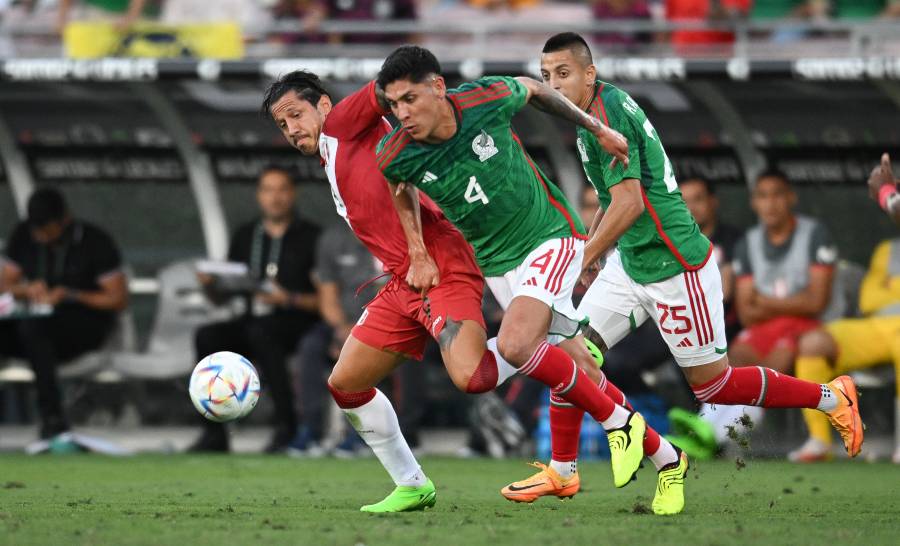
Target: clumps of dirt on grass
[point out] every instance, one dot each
(640, 508)
(13, 485)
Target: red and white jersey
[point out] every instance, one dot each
(362, 197)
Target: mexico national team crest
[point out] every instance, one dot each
(483, 146)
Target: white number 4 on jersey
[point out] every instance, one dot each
(475, 193)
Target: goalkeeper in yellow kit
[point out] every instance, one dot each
(853, 344)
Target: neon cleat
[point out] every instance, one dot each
(405, 498)
(669, 498)
(546, 482)
(845, 418)
(626, 448)
(595, 352)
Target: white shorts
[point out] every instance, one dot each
(549, 274)
(687, 309)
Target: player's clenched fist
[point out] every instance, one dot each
(613, 142)
(423, 273)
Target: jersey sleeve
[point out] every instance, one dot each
(621, 115)
(386, 154)
(506, 95)
(822, 250)
(106, 256)
(355, 114)
(741, 262)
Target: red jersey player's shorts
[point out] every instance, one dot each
(776, 333)
(400, 320)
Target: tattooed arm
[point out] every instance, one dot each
(545, 98)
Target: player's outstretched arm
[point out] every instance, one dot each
(423, 271)
(883, 188)
(545, 98)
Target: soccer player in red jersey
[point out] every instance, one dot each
(397, 323)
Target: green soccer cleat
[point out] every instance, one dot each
(693, 434)
(669, 498)
(626, 448)
(405, 498)
(595, 352)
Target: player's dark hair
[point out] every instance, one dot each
(775, 173)
(46, 205)
(307, 85)
(706, 183)
(273, 168)
(408, 62)
(571, 41)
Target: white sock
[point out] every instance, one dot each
(618, 419)
(666, 454)
(829, 399)
(566, 469)
(724, 418)
(505, 370)
(376, 422)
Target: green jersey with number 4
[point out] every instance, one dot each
(665, 240)
(482, 178)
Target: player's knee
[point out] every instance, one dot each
(815, 343)
(515, 348)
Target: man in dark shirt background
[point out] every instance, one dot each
(279, 251)
(68, 275)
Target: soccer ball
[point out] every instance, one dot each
(224, 386)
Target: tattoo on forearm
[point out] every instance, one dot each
(554, 103)
(449, 333)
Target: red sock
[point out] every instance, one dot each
(565, 429)
(553, 367)
(651, 437)
(758, 386)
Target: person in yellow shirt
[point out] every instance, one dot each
(853, 344)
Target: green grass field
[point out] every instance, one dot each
(81, 499)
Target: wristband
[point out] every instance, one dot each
(885, 194)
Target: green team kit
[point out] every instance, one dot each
(665, 240)
(662, 268)
(483, 178)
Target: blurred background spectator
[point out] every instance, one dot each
(279, 251)
(68, 276)
(784, 268)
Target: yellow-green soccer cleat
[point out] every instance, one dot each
(405, 498)
(669, 498)
(626, 449)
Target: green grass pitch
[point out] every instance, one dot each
(256, 500)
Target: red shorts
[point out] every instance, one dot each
(776, 333)
(400, 321)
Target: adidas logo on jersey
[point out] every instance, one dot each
(429, 177)
(530, 282)
(685, 343)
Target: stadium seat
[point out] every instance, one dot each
(181, 308)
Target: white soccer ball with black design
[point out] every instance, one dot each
(224, 386)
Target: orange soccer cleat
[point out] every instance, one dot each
(845, 417)
(545, 482)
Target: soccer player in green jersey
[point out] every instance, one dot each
(661, 268)
(458, 147)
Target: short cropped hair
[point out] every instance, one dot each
(46, 205)
(272, 168)
(774, 173)
(706, 183)
(307, 85)
(571, 41)
(408, 62)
